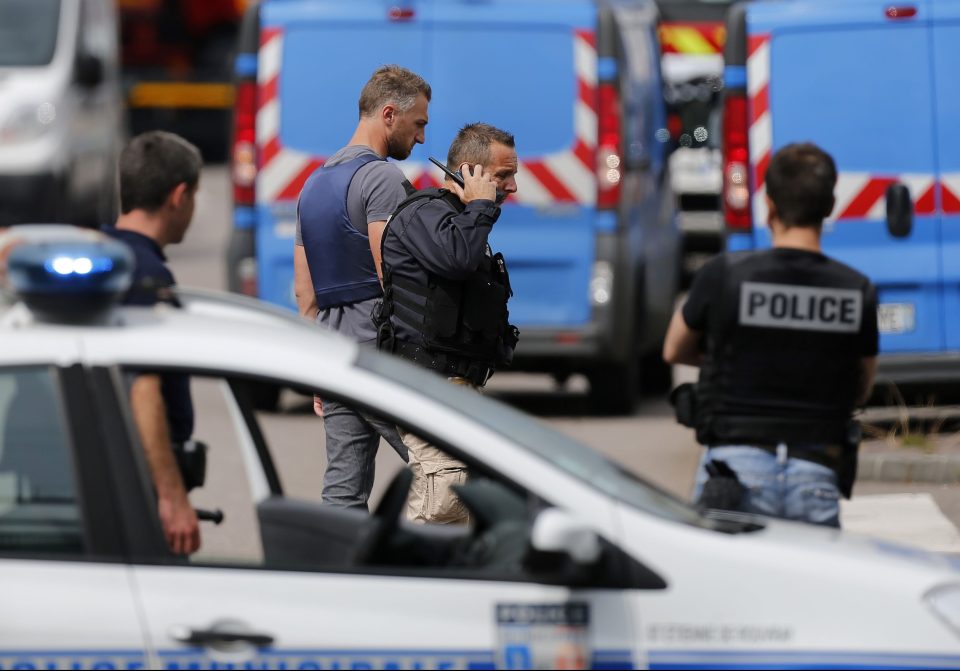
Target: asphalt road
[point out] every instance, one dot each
(649, 442)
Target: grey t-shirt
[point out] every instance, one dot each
(375, 191)
(374, 194)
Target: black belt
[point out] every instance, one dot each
(827, 455)
(449, 365)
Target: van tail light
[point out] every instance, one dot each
(244, 150)
(674, 126)
(736, 164)
(609, 148)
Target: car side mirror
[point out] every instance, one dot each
(89, 70)
(899, 210)
(557, 531)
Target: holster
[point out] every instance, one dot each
(684, 401)
(847, 471)
(191, 459)
(723, 490)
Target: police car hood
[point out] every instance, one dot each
(831, 543)
(802, 555)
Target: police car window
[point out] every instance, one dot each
(278, 521)
(39, 511)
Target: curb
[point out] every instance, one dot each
(927, 468)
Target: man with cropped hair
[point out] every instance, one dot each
(445, 296)
(342, 211)
(159, 178)
(786, 340)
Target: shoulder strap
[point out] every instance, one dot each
(431, 193)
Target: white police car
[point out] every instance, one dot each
(571, 561)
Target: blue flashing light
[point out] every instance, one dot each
(81, 265)
(67, 274)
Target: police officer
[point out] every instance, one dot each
(159, 177)
(445, 295)
(786, 341)
(341, 214)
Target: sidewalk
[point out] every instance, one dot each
(911, 519)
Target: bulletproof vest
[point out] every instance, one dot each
(451, 318)
(338, 255)
(782, 361)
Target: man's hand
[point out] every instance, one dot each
(477, 184)
(317, 405)
(180, 524)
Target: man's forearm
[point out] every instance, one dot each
(149, 413)
(303, 284)
(682, 344)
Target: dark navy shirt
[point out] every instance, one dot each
(150, 278)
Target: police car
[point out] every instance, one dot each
(570, 561)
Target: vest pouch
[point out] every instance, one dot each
(684, 401)
(484, 308)
(443, 310)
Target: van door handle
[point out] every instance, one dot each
(207, 637)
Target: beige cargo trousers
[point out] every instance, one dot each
(432, 498)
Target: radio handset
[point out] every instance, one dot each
(458, 178)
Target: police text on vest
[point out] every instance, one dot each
(803, 308)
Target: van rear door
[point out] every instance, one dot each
(531, 71)
(857, 81)
(945, 45)
(510, 63)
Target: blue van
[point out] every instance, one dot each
(874, 83)
(591, 236)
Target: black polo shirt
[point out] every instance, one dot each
(151, 276)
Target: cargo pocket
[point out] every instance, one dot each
(441, 504)
(821, 505)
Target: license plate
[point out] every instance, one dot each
(896, 317)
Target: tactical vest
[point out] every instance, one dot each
(338, 255)
(782, 363)
(458, 327)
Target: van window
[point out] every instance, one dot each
(28, 32)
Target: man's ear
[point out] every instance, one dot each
(389, 115)
(176, 197)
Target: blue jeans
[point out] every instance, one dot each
(778, 486)
(352, 443)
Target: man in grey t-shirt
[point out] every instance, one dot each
(342, 213)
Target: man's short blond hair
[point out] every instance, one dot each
(392, 84)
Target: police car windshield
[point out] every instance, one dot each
(28, 32)
(561, 451)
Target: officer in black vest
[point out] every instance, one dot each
(786, 341)
(445, 295)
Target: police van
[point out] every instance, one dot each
(591, 237)
(873, 83)
(570, 561)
